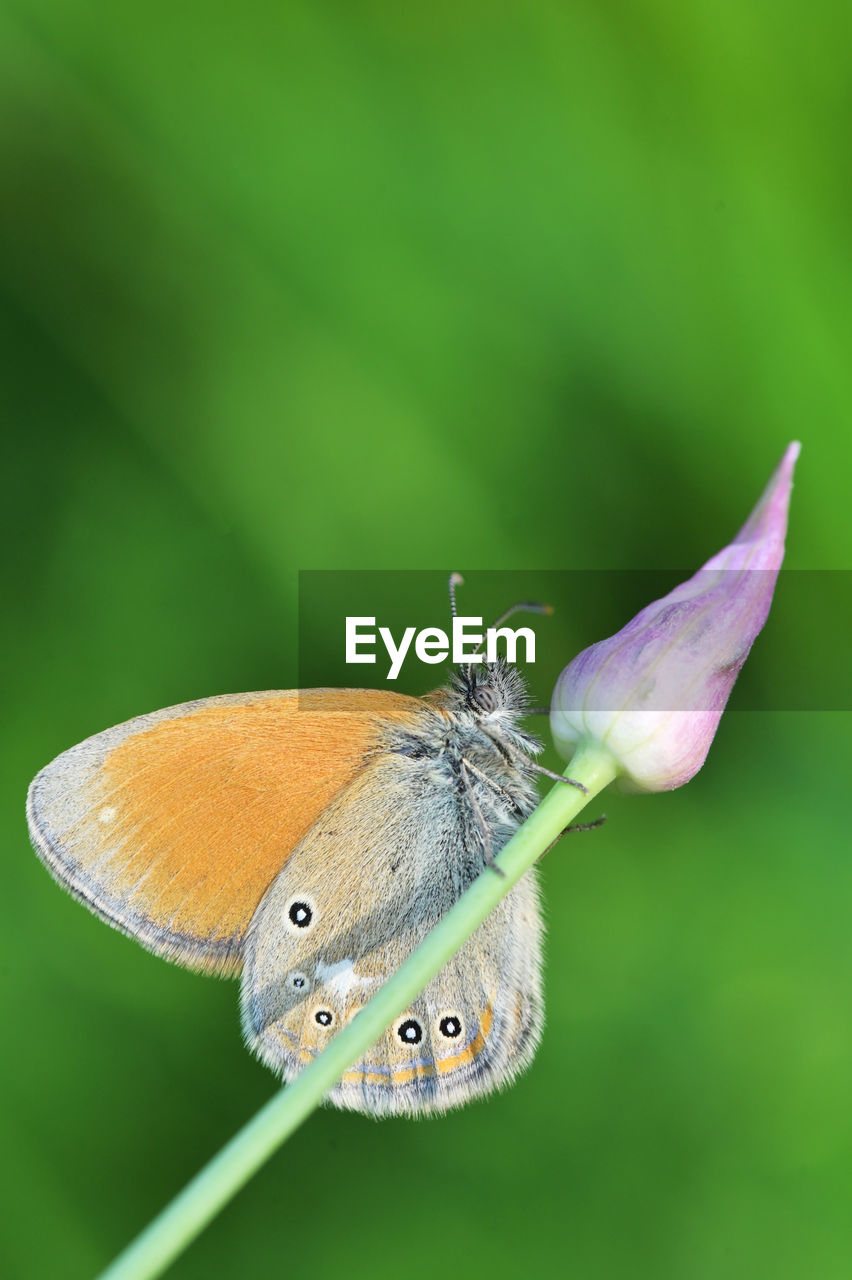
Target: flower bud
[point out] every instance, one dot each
(653, 694)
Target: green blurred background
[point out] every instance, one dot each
(303, 286)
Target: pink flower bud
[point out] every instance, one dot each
(653, 694)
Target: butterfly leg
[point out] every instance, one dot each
(508, 800)
(539, 768)
(576, 826)
(487, 847)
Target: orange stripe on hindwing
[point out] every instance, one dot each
(403, 1075)
(473, 1050)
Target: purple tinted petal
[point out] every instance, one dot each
(654, 693)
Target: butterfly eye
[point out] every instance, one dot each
(324, 1017)
(450, 1027)
(485, 698)
(300, 914)
(410, 1031)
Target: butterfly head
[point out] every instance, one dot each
(488, 701)
(489, 691)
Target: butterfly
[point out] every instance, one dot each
(307, 841)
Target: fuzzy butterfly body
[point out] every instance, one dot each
(309, 841)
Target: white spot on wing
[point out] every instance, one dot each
(107, 814)
(340, 978)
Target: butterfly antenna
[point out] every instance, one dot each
(523, 606)
(456, 580)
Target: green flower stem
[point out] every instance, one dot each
(187, 1215)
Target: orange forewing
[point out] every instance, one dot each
(173, 826)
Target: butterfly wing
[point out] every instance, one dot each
(173, 825)
(359, 893)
